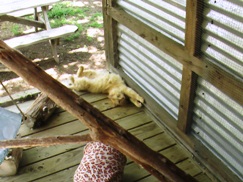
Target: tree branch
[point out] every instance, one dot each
(44, 141)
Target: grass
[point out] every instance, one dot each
(65, 13)
(16, 29)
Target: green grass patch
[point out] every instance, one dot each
(96, 20)
(65, 9)
(64, 13)
(15, 29)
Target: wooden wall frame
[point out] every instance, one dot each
(193, 67)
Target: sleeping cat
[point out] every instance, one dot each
(101, 81)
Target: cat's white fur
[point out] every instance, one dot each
(101, 81)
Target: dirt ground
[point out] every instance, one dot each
(80, 51)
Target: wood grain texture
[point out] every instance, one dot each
(39, 111)
(194, 18)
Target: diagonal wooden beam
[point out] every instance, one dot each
(101, 127)
(22, 21)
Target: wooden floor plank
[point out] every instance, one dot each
(134, 120)
(175, 153)
(145, 131)
(133, 172)
(65, 129)
(120, 112)
(58, 119)
(189, 167)
(37, 154)
(61, 176)
(48, 166)
(202, 177)
(160, 142)
(148, 179)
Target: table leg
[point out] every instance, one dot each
(53, 42)
(36, 18)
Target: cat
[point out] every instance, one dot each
(102, 81)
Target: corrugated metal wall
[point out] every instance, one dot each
(218, 120)
(218, 125)
(154, 71)
(222, 34)
(167, 17)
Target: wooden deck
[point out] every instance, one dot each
(58, 163)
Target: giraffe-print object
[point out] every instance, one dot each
(100, 163)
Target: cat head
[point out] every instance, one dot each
(77, 83)
(117, 97)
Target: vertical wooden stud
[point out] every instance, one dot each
(194, 18)
(110, 29)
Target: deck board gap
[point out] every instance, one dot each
(143, 124)
(153, 135)
(144, 177)
(165, 148)
(182, 160)
(40, 130)
(52, 156)
(199, 174)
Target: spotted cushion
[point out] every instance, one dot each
(100, 163)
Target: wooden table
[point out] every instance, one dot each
(7, 13)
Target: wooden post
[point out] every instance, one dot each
(101, 127)
(10, 165)
(39, 111)
(194, 17)
(110, 28)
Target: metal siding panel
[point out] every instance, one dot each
(163, 16)
(223, 35)
(218, 124)
(154, 71)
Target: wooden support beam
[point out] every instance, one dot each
(101, 127)
(194, 20)
(39, 111)
(110, 33)
(23, 21)
(45, 141)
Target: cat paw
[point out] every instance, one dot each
(138, 101)
(80, 71)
